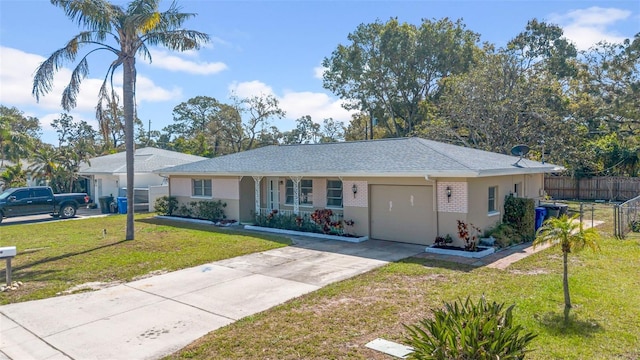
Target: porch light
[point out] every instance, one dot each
(354, 188)
(448, 193)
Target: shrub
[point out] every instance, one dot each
(469, 234)
(166, 205)
(469, 331)
(209, 210)
(521, 214)
(205, 210)
(504, 234)
(276, 220)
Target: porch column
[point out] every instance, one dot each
(296, 193)
(256, 183)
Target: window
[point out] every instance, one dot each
(21, 195)
(493, 192)
(305, 191)
(41, 193)
(334, 193)
(517, 189)
(201, 187)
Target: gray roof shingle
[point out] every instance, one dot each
(387, 157)
(146, 160)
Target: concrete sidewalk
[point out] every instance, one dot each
(153, 317)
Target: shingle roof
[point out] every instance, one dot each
(146, 160)
(388, 157)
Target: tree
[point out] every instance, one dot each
(76, 144)
(18, 134)
(305, 132)
(543, 45)
(332, 131)
(198, 121)
(568, 234)
(133, 29)
(389, 69)
(496, 105)
(14, 176)
(46, 160)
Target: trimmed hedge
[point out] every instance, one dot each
(521, 214)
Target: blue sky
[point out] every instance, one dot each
(266, 47)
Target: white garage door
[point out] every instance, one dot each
(402, 213)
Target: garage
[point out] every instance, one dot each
(402, 213)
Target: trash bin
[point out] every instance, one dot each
(105, 202)
(555, 210)
(563, 209)
(122, 205)
(541, 213)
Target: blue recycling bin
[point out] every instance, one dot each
(541, 213)
(122, 205)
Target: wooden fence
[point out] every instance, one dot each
(608, 188)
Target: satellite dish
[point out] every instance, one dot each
(519, 150)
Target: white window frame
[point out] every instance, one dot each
(302, 191)
(204, 188)
(341, 197)
(492, 202)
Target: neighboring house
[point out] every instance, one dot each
(406, 189)
(108, 174)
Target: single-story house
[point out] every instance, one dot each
(108, 174)
(405, 189)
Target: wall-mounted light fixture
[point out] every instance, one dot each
(448, 193)
(354, 188)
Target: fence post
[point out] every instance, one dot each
(615, 220)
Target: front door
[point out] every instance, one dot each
(273, 194)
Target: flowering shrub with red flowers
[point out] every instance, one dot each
(469, 234)
(322, 221)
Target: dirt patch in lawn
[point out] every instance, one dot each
(530, 272)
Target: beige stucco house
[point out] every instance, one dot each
(107, 175)
(407, 189)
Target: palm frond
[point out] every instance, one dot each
(96, 15)
(178, 40)
(43, 80)
(70, 93)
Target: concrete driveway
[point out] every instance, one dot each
(153, 317)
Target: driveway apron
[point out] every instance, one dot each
(153, 317)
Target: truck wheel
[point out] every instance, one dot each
(1, 216)
(67, 211)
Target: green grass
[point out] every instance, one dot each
(335, 322)
(55, 256)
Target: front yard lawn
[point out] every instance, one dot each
(336, 322)
(57, 256)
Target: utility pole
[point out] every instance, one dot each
(370, 124)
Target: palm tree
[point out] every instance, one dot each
(46, 161)
(567, 233)
(14, 176)
(132, 29)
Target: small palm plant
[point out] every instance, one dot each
(468, 330)
(568, 234)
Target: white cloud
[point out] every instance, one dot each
(318, 105)
(165, 60)
(16, 75)
(586, 27)
(318, 71)
(250, 88)
(146, 90)
(297, 104)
